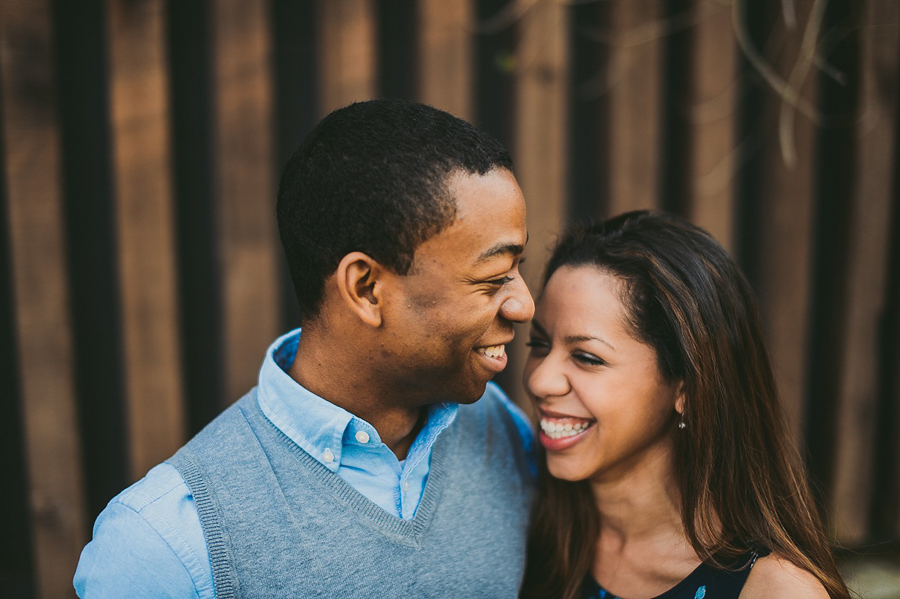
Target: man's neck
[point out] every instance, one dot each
(337, 377)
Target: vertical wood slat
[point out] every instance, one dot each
(245, 187)
(540, 151)
(92, 251)
(347, 52)
(396, 49)
(868, 260)
(189, 50)
(887, 508)
(145, 225)
(890, 506)
(445, 50)
(836, 155)
(295, 39)
(588, 168)
(494, 98)
(783, 239)
(634, 82)
(32, 142)
(884, 521)
(712, 115)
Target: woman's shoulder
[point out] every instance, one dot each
(773, 577)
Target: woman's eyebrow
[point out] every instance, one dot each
(577, 338)
(574, 338)
(535, 325)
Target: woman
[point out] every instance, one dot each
(668, 469)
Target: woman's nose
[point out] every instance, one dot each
(544, 377)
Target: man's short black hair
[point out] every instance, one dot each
(372, 177)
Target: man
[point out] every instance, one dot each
(352, 470)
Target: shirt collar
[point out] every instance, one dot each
(321, 428)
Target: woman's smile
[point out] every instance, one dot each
(559, 432)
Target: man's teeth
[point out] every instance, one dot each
(556, 429)
(494, 351)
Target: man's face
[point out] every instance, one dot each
(449, 319)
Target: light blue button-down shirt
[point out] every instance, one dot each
(148, 541)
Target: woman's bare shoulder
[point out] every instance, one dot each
(775, 578)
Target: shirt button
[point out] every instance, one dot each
(328, 456)
(362, 437)
(406, 485)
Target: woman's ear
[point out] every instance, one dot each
(679, 398)
(358, 280)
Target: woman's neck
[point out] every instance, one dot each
(639, 498)
(642, 549)
(635, 507)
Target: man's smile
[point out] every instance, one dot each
(493, 351)
(493, 356)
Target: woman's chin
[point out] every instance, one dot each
(568, 472)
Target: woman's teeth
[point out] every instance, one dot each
(557, 430)
(494, 351)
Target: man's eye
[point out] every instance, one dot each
(588, 359)
(501, 282)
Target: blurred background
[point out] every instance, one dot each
(141, 143)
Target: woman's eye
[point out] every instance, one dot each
(588, 359)
(537, 347)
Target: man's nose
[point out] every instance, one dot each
(519, 306)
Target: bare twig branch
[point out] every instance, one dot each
(789, 12)
(798, 75)
(756, 60)
(723, 174)
(839, 76)
(507, 17)
(650, 32)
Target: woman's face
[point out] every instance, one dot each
(604, 408)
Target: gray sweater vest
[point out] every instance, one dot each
(279, 524)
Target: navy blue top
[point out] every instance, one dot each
(705, 581)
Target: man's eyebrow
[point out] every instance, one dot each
(573, 338)
(513, 249)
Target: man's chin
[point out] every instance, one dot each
(475, 393)
(460, 389)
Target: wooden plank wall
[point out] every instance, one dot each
(42, 335)
(864, 297)
(141, 142)
(144, 196)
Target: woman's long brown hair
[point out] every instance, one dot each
(741, 483)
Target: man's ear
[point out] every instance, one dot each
(358, 279)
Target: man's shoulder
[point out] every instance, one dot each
(497, 403)
(495, 400)
(162, 483)
(147, 542)
(222, 435)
